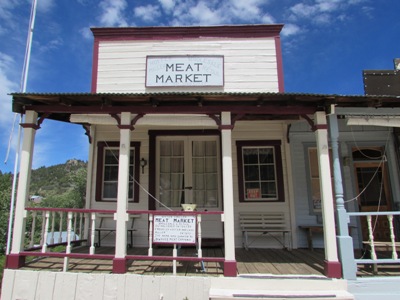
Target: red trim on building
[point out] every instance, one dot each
(188, 32)
(119, 266)
(333, 269)
(15, 261)
(95, 65)
(30, 125)
(279, 63)
(320, 126)
(230, 268)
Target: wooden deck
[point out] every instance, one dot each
(276, 262)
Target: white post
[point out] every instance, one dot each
(174, 255)
(121, 217)
(53, 216)
(92, 232)
(69, 232)
(199, 250)
(32, 242)
(227, 181)
(332, 265)
(60, 228)
(150, 252)
(23, 188)
(45, 230)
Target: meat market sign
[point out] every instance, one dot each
(164, 71)
(174, 229)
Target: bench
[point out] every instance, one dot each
(383, 246)
(103, 227)
(263, 223)
(316, 228)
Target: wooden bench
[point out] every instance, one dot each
(103, 227)
(263, 223)
(383, 246)
(316, 228)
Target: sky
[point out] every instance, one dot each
(326, 44)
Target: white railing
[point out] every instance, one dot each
(51, 227)
(372, 244)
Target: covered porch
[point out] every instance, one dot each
(224, 112)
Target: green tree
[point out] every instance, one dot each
(5, 197)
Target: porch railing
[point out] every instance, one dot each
(372, 245)
(51, 227)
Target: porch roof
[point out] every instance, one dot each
(259, 105)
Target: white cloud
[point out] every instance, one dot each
(321, 11)
(168, 5)
(113, 13)
(52, 44)
(7, 85)
(290, 29)
(147, 13)
(45, 5)
(86, 33)
(213, 12)
(5, 7)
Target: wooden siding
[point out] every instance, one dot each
(250, 65)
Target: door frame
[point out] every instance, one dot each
(153, 134)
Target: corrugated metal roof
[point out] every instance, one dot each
(259, 104)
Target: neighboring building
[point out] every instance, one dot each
(198, 115)
(35, 199)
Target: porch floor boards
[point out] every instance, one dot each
(253, 261)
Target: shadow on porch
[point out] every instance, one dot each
(275, 262)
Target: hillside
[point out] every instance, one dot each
(57, 179)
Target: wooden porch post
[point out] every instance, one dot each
(333, 268)
(345, 242)
(121, 217)
(14, 260)
(227, 181)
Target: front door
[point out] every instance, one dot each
(188, 172)
(373, 190)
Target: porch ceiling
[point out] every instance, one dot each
(60, 106)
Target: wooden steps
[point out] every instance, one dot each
(280, 287)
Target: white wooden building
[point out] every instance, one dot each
(198, 115)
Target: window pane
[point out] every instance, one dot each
(111, 156)
(110, 190)
(165, 181)
(165, 164)
(198, 182)
(267, 172)
(266, 155)
(251, 172)
(250, 156)
(110, 173)
(268, 190)
(198, 165)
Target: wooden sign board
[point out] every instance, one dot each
(174, 229)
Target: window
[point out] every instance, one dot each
(260, 171)
(188, 171)
(107, 171)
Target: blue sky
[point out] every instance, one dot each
(326, 44)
